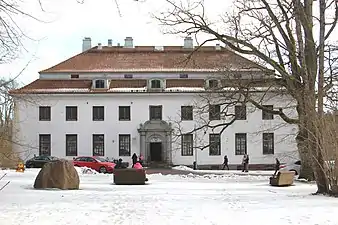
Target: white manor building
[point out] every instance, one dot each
(114, 101)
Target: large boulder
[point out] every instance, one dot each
(59, 174)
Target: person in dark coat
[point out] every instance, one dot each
(225, 162)
(118, 164)
(134, 159)
(277, 165)
(245, 163)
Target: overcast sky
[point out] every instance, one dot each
(66, 23)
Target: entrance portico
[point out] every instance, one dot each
(155, 141)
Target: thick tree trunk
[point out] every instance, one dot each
(308, 146)
(316, 144)
(310, 124)
(306, 171)
(319, 169)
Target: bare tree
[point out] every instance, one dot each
(7, 158)
(279, 34)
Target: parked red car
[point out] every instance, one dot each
(97, 163)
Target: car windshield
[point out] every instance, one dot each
(101, 159)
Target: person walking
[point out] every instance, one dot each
(277, 165)
(134, 159)
(245, 163)
(141, 159)
(225, 162)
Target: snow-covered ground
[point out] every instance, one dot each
(172, 199)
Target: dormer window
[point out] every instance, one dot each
(155, 84)
(213, 83)
(100, 84)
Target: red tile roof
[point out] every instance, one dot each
(139, 59)
(147, 59)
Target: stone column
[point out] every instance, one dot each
(168, 147)
(143, 145)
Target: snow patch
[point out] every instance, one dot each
(184, 168)
(85, 170)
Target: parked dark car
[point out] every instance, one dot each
(39, 161)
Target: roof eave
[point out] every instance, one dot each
(149, 70)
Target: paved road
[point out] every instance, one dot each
(168, 171)
(165, 171)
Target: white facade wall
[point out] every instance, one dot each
(28, 127)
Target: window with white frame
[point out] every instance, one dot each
(71, 144)
(187, 144)
(155, 84)
(100, 84)
(214, 144)
(213, 83)
(268, 143)
(98, 144)
(240, 144)
(124, 145)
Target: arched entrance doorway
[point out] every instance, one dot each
(155, 141)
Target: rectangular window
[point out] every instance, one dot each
(240, 112)
(44, 113)
(98, 144)
(268, 143)
(213, 83)
(214, 112)
(155, 112)
(98, 113)
(45, 147)
(128, 76)
(124, 145)
(155, 84)
(240, 144)
(187, 144)
(183, 75)
(186, 113)
(267, 115)
(71, 144)
(100, 84)
(214, 144)
(71, 113)
(74, 76)
(124, 112)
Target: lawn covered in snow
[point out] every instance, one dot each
(171, 199)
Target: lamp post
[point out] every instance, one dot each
(195, 144)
